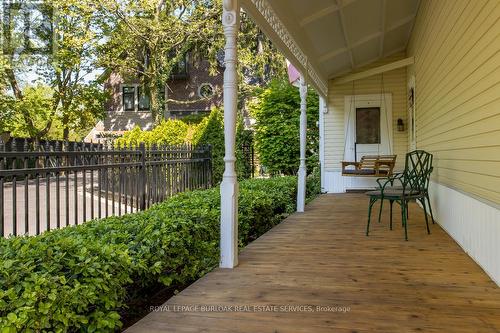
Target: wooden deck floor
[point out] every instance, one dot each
(323, 258)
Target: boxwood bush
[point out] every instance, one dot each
(79, 278)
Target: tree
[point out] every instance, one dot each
(277, 111)
(76, 101)
(6, 110)
(147, 39)
(35, 104)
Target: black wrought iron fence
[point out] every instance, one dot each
(43, 187)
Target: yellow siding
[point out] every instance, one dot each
(456, 45)
(394, 82)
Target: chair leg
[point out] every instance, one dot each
(391, 203)
(404, 206)
(380, 210)
(402, 217)
(430, 208)
(372, 201)
(426, 218)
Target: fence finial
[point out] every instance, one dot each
(13, 144)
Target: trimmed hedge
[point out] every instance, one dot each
(78, 278)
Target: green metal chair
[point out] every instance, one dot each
(411, 184)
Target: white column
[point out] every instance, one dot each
(322, 110)
(229, 185)
(301, 188)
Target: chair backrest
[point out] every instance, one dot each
(418, 167)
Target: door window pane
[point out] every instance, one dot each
(367, 125)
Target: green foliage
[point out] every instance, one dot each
(168, 132)
(313, 184)
(37, 102)
(244, 141)
(211, 131)
(277, 112)
(78, 278)
(162, 32)
(194, 118)
(208, 131)
(38, 105)
(64, 100)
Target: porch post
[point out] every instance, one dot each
(301, 187)
(322, 110)
(229, 185)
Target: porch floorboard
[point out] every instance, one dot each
(323, 258)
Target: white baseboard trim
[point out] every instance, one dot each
(336, 183)
(473, 224)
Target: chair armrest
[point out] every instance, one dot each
(389, 180)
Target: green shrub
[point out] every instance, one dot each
(313, 184)
(78, 278)
(168, 132)
(211, 131)
(277, 112)
(194, 118)
(244, 140)
(196, 130)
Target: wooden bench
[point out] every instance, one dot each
(370, 166)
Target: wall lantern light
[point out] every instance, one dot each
(401, 125)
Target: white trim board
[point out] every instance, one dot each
(374, 71)
(336, 183)
(473, 224)
(323, 108)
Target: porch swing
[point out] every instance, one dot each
(369, 165)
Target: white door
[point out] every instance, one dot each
(368, 126)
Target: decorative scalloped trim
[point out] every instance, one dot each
(275, 23)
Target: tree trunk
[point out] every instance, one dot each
(66, 133)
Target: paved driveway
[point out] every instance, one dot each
(70, 210)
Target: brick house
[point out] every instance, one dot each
(190, 90)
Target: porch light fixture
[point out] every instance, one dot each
(401, 125)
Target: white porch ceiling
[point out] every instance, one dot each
(339, 36)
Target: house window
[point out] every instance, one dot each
(144, 103)
(128, 94)
(205, 90)
(180, 69)
(367, 125)
(135, 99)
